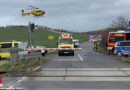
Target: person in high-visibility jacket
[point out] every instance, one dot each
(95, 45)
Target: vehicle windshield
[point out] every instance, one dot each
(76, 42)
(65, 41)
(39, 11)
(116, 39)
(15, 44)
(6, 45)
(123, 44)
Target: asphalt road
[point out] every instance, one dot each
(86, 70)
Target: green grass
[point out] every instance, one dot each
(22, 64)
(40, 37)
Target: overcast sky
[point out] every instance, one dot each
(73, 15)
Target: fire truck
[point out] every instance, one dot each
(65, 41)
(114, 37)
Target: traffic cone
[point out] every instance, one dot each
(1, 84)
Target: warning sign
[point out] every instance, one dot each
(51, 37)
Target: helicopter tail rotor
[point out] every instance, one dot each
(23, 13)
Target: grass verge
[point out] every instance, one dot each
(23, 64)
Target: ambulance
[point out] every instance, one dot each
(65, 41)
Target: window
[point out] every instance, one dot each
(39, 11)
(15, 44)
(116, 39)
(123, 44)
(6, 45)
(127, 43)
(65, 41)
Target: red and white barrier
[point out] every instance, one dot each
(1, 84)
(52, 49)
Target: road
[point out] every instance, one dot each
(86, 70)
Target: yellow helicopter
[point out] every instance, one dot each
(35, 12)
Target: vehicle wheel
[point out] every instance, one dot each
(120, 53)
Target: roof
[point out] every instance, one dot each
(64, 36)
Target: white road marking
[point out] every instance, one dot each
(23, 78)
(66, 59)
(36, 68)
(97, 79)
(97, 53)
(80, 57)
(12, 87)
(78, 78)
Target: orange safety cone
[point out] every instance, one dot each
(1, 84)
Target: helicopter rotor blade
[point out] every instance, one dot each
(32, 6)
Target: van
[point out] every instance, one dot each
(6, 45)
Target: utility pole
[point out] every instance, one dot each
(29, 35)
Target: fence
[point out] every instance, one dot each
(14, 56)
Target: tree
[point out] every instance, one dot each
(121, 22)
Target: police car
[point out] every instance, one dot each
(122, 48)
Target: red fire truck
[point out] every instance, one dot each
(114, 37)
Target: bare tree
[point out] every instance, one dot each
(121, 22)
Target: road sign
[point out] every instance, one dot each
(90, 35)
(51, 37)
(128, 26)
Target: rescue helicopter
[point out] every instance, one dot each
(35, 12)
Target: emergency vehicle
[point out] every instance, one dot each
(114, 37)
(5, 45)
(122, 48)
(65, 41)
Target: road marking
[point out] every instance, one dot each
(66, 59)
(12, 86)
(80, 57)
(97, 53)
(36, 68)
(75, 78)
(97, 79)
